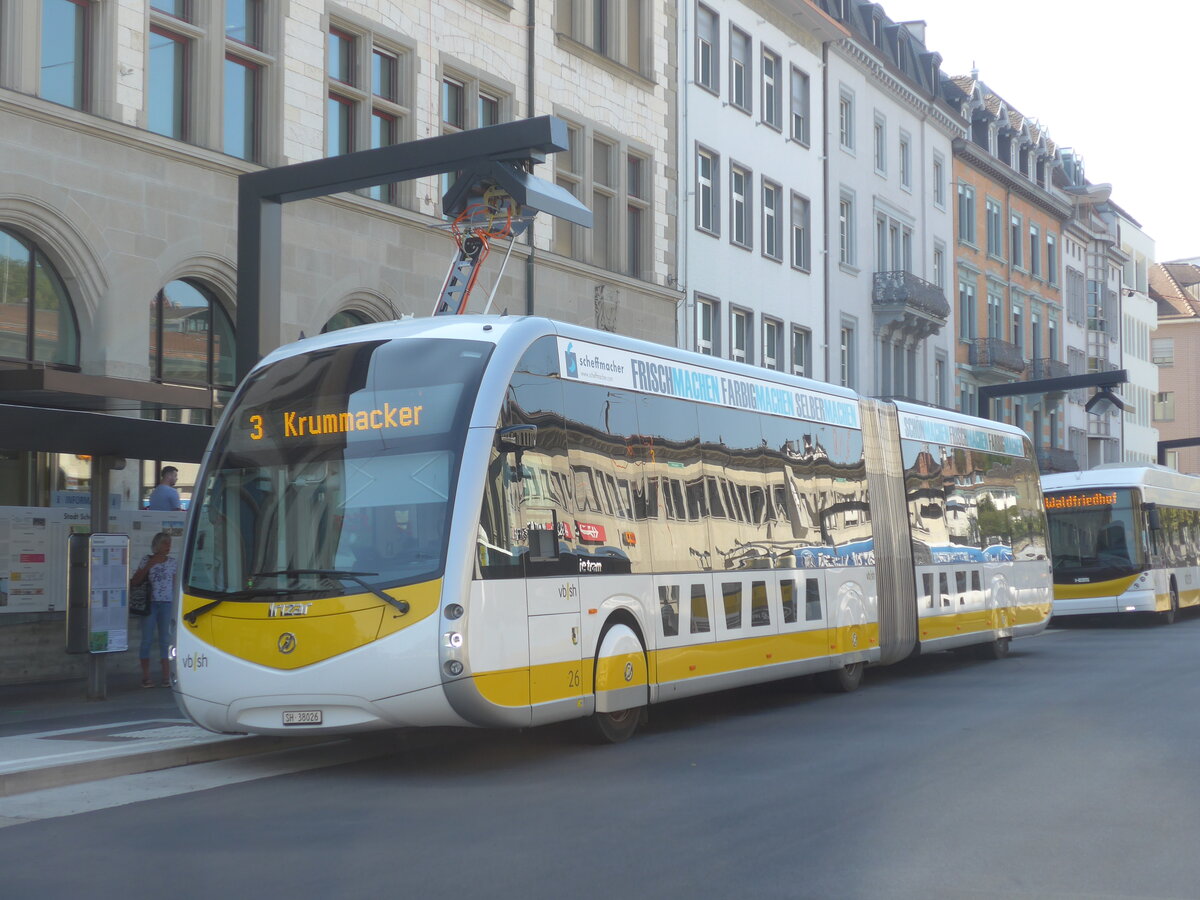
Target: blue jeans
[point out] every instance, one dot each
(160, 620)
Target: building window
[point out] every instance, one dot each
(994, 221)
(1018, 328)
(706, 327)
(708, 48)
(612, 28)
(939, 183)
(739, 67)
(847, 353)
(772, 94)
(846, 249)
(801, 233)
(1164, 406)
(739, 335)
(800, 106)
(1035, 251)
(708, 166)
(905, 161)
(846, 119)
(191, 338)
(941, 381)
(880, 144)
(369, 105)
(1051, 259)
(939, 266)
(38, 316)
(966, 311)
(772, 200)
(801, 351)
(347, 318)
(637, 214)
(1162, 351)
(65, 64)
(168, 62)
(1015, 240)
(618, 194)
(244, 67)
(740, 222)
(966, 213)
(995, 315)
(772, 338)
(568, 175)
(893, 245)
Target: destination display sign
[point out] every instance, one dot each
(958, 434)
(596, 364)
(358, 416)
(1081, 500)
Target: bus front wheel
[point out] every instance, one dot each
(1169, 617)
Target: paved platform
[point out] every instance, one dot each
(52, 735)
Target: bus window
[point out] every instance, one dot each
(787, 589)
(668, 601)
(760, 607)
(699, 609)
(731, 592)
(812, 600)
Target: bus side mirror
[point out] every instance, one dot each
(1153, 516)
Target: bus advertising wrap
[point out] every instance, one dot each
(582, 361)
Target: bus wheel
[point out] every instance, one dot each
(841, 681)
(997, 649)
(620, 673)
(1169, 617)
(615, 727)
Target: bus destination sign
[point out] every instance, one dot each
(1080, 501)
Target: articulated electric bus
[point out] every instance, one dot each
(1124, 539)
(500, 521)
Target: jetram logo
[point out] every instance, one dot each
(572, 362)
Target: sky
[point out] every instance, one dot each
(1116, 81)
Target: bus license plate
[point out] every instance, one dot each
(302, 717)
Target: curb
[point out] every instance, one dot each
(12, 783)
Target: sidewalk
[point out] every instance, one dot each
(52, 735)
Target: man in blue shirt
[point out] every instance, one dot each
(165, 496)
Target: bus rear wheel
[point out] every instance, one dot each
(841, 681)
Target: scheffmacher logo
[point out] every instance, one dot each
(572, 361)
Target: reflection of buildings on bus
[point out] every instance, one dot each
(662, 502)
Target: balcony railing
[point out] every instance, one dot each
(1047, 368)
(904, 288)
(1056, 459)
(994, 353)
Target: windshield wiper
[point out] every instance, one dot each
(356, 577)
(239, 596)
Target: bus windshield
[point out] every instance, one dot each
(339, 461)
(1095, 535)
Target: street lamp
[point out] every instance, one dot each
(1104, 401)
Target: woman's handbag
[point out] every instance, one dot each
(139, 599)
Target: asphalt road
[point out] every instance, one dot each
(1068, 770)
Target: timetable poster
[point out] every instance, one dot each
(108, 593)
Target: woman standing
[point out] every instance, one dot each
(159, 568)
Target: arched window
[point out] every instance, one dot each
(42, 329)
(191, 339)
(347, 318)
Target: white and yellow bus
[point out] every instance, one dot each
(1124, 539)
(512, 521)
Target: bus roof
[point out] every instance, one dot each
(1154, 479)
